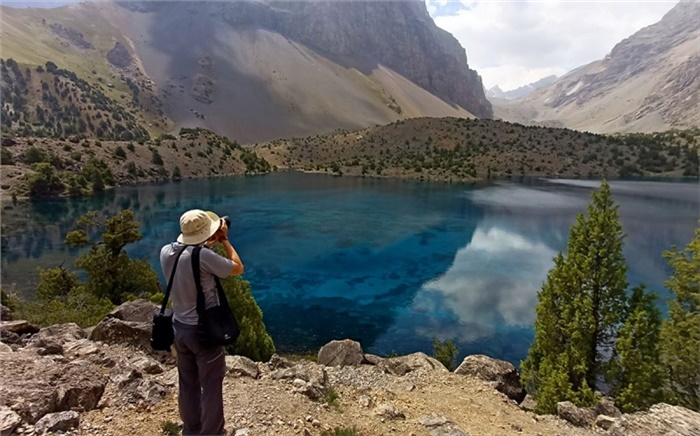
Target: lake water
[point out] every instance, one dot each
(389, 263)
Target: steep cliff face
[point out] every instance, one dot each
(400, 35)
(647, 82)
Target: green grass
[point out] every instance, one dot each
(170, 428)
(332, 398)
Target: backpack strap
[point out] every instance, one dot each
(223, 301)
(170, 282)
(201, 304)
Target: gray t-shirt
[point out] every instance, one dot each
(184, 290)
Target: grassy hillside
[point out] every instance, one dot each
(44, 167)
(453, 149)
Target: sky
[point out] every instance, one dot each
(517, 42)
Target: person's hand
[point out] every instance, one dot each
(222, 233)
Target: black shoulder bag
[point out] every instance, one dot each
(217, 326)
(162, 335)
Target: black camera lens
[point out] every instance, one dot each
(227, 220)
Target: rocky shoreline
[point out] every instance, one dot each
(105, 380)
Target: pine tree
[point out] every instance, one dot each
(635, 375)
(581, 307)
(680, 335)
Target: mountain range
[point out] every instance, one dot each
(522, 91)
(257, 70)
(648, 82)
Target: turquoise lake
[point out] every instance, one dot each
(389, 263)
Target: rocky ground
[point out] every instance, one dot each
(105, 381)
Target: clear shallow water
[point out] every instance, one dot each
(389, 263)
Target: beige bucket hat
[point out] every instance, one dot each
(197, 226)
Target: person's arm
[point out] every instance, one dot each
(222, 236)
(233, 255)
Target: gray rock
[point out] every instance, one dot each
(117, 331)
(80, 348)
(242, 432)
(439, 425)
(55, 422)
(372, 359)
(241, 366)
(341, 353)
(413, 362)
(578, 416)
(9, 420)
(277, 362)
(146, 365)
(604, 421)
(313, 374)
(606, 406)
(503, 375)
(80, 389)
(19, 327)
(4, 348)
(388, 410)
(365, 401)
(528, 403)
(135, 311)
(52, 339)
(661, 419)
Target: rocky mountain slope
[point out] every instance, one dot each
(648, 82)
(523, 91)
(255, 70)
(105, 380)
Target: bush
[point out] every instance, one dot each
(341, 431)
(332, 398)
(119, 152)
(156, 158)
(170, 428)
(446, 352)
(79, 306)
(44, 181)
(6, 157)
(34, 155)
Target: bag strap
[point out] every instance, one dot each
(223, 301)
(170, 282)
(201, 305)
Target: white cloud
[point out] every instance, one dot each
(513, 43)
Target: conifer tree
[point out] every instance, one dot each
(680, 336)
(581, 307)
(635, 375)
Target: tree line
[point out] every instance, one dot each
(593, 333)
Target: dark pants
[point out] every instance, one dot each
(201, 372)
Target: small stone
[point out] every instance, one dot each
(316, 423)
(516, 427)
(307, 432)
(242, 432)
(409, 386)
(298, 383)
(9, 420)
(365, 401)
(388, 410)
(604, 421)
(108, 419)
(309, 418)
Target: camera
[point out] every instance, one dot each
(227, 220)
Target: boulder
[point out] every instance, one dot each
(50, 340)
(132, 388)
(439, 425)
(372, 359)
(79, 388)
(606, 406)
(33, 385)
(604, 421)
(341, 353)
(136, 311)
(388, 410)
(578, 416)
(241, 366)
(55, 422)
(146, 365)
(661, 419)
(9, 420)
(277, 362)
(116, 331)
(529, 404)
(500, 374)
(19, 327)
(313, 375)
(413, 362)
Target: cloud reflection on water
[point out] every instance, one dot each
(492, 283)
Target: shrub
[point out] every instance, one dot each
(170, 428)
(331, 397)
(44, 181)
(119, 152)
(6, 157)
(446, 353)
(156, 158)
(34, 155)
